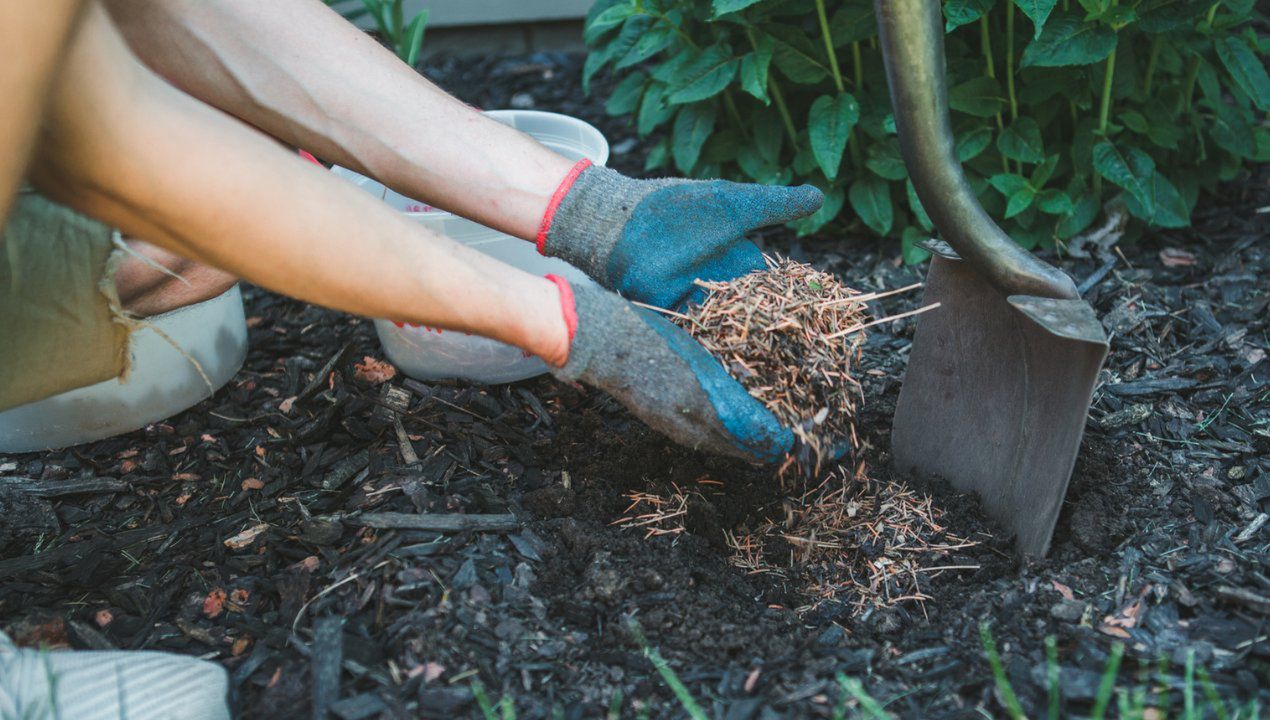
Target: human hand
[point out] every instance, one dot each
(664, 377)
(650, 239)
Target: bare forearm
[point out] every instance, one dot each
(129, 149)
(300, 72)
(33, 35)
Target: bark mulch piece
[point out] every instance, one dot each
(251, 529)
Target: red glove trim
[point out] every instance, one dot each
(556, 198)
(567, 307)
(309, 156)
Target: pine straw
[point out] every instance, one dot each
(790, 335)
(847, 543)
(853, 540)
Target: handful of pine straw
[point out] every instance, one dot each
(790, 335)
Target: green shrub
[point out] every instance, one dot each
(1059, 106)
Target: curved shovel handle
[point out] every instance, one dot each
(912, 37)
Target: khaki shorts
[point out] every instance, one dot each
(61, 323)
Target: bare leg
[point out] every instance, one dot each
(146, 290)
(33, 35)
(300, 72)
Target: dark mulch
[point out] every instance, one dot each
(1158, 545)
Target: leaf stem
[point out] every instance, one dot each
(777, 96)
(857, 63)
(985, 41)
(1151, 63)
(1191, 74)
(1104, 110)
(833, 57)
(1009, 70)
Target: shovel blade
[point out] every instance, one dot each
(995, 397)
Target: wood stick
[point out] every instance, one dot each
(437, 522)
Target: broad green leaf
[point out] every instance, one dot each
(595, 62)
(1022, 141)
(853, 22)
(1168, 209)
(607, 19)
(834, 201)
(1165, 134)
(1082, 216)
(652, 42)
(722, 146)
(627, 94)
(1135, 121)
(883, 158)
(723, 7)
(653, 109)
(760, 170)
(769, 135)
(829, 126)
(1008, 184)
(915, 204)
(658, 155)
(1043, 172)
(1038, 11)
(1068, 40)
(1246, 68)
(1158, 16)
(666, 71)
(1029, 238)
(910, 247)
(980, 97)
(964, 12)
(1019, 202)
(1113, 165)
(693, 126)
(871, 199)
(796, 57)
(754, 68)
(970, 144)
(1055, 202)
(1232, 132)
(1118, 16)
(704, 76)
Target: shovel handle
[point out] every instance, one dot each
(912, 37)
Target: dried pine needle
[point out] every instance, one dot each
(779, 332)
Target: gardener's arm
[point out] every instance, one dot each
(127, 148)
(33, 35)
(300, 72)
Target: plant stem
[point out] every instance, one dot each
(730, 104)
(833, 57)
(857, 66)
(1191, 74)
(1009, 59)
(985, 41)
(779, 98)
(1104, 110)
(1151, 62)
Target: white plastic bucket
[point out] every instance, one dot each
(433, 354)
(161, 383)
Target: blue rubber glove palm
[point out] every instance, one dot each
(650, 239)
(664, 377)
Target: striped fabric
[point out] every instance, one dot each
(108, 685)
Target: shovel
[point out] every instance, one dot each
(1001, 374)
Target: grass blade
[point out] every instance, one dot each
(668, 675)
(855, 689)
(1108, 683)
(1052, 675)
(998, 673)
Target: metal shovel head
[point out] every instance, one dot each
(995, 397)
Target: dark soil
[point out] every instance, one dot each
(1158, 546)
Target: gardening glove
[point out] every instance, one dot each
(650, 239)
(664, 377)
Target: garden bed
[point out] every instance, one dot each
(250, 528)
